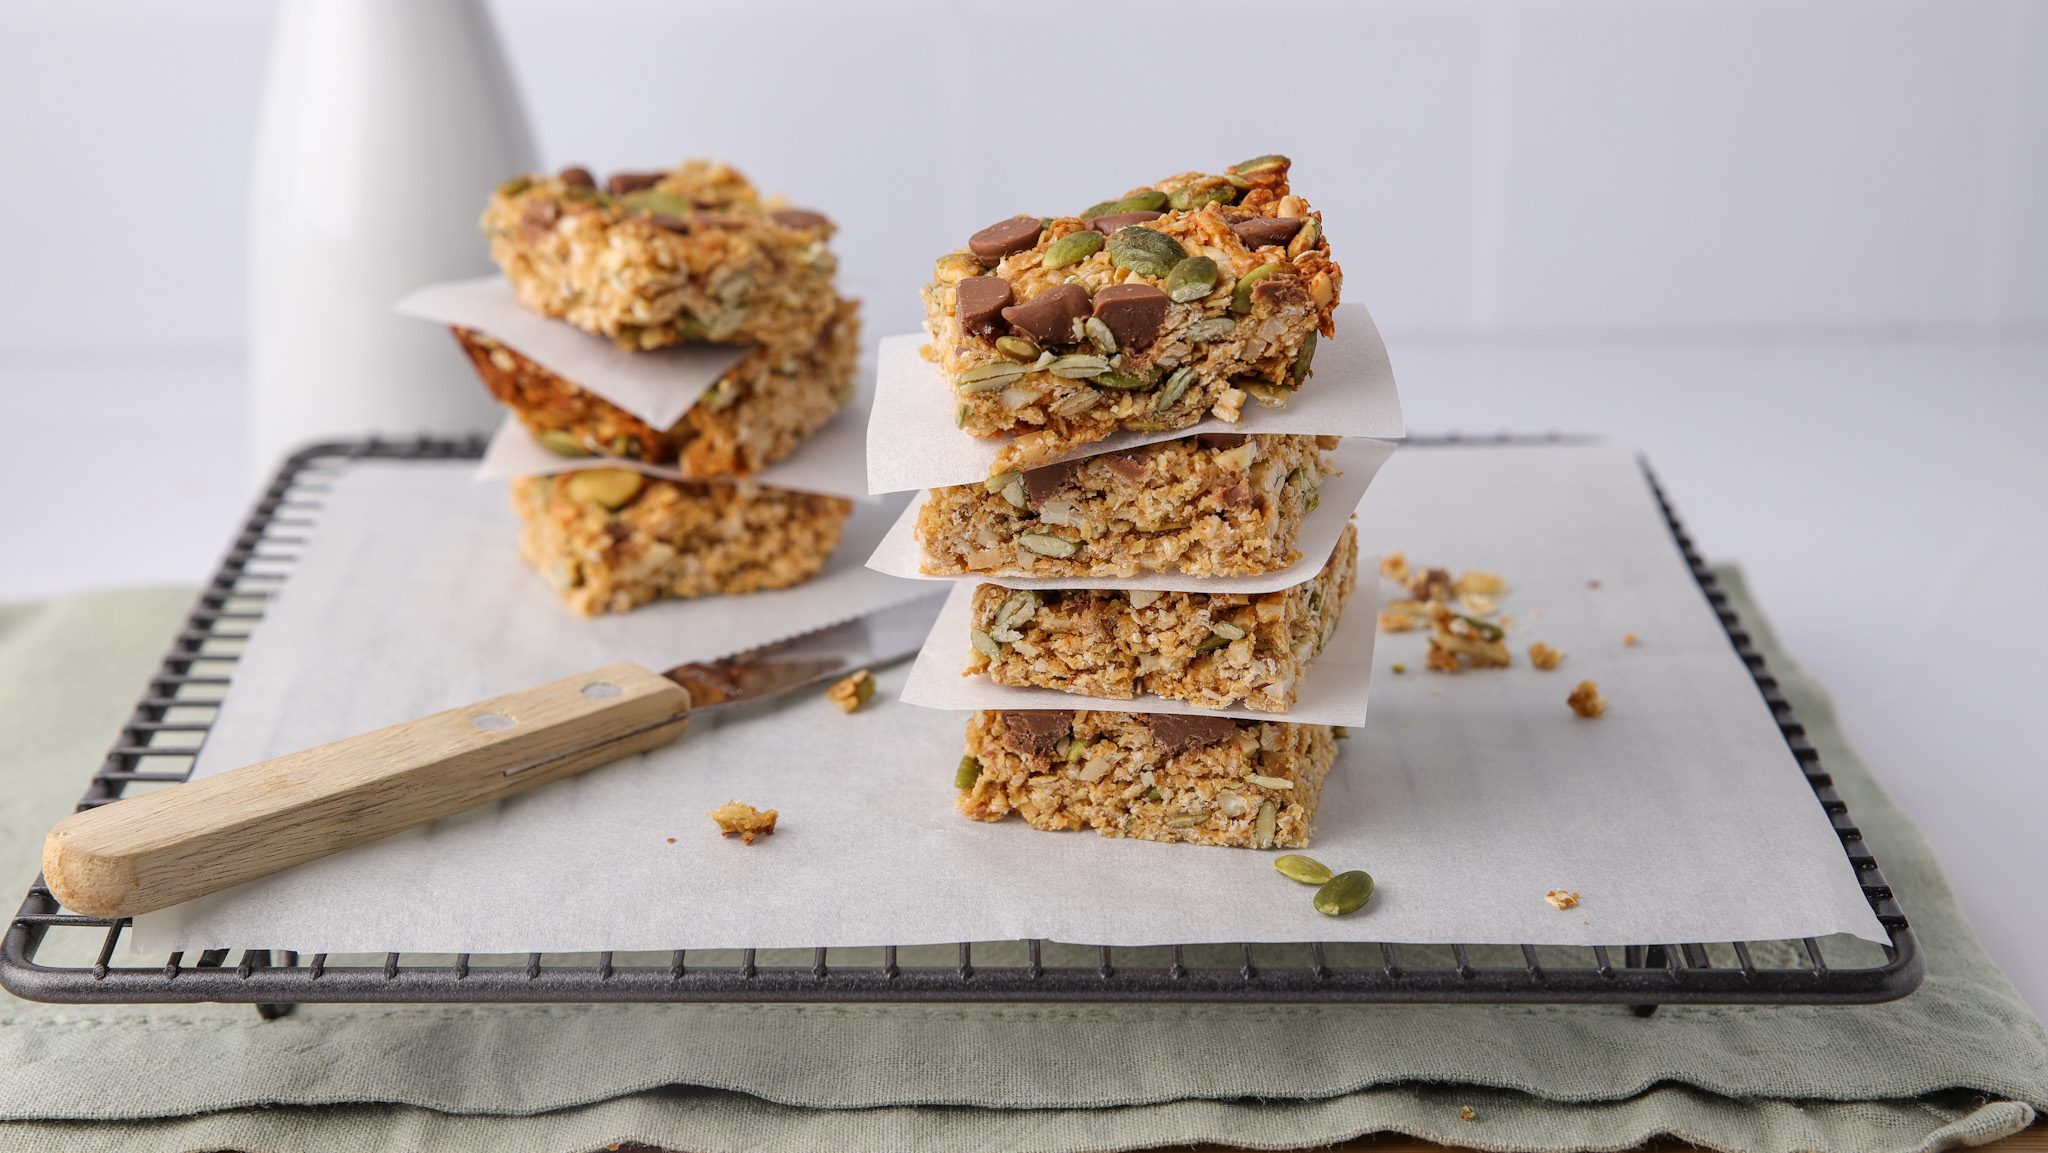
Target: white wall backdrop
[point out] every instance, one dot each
(1640, 167)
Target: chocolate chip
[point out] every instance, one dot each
(622, 183)
(1261, 231)
(667, 223)
(540, 214)
(1134, 313)
(1237, 496)
(1280, 292)
(577, 176)
(1129, 464)
(1005, 237)
(979, 301)
(1109, 224)
(1049, 317)
(1179, 732)
(1042, 484)
(1221, 439)
(1036, 734)
(800, 219)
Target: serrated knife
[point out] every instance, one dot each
(156, 849)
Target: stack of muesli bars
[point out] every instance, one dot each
(1151, 311)
(649, 260)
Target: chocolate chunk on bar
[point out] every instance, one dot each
(1005, 237)
(1134, 313)
(982, 300)
(1049, 317)
(1036, 734)
(1261, 231)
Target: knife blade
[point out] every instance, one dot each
(157, 849)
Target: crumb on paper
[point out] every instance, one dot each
(1586, 699)
(671, 840)
(1430, 584)
(1394, 567)
(1594, 583)
(1630, 640)
(1544, 657)
(1401, 616)
(1562, 898)
(1399, 668)
(1467, 1113)
(1459, 640)
(1478, 604)
(1475, 582)
(853, 692)
(738, 819)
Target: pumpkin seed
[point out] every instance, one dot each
(960, 416)
(1311, 233)
(1305, 870)
(1241, 297)
(1017, 348)
(1344, 893)
(1262, 164)
(1078, 366)
(1268, 824)
(1191, 279)
(985, 644)
(1303, 360)
(1046, 544)
(625, 446)
(1210, 328)
(561, 443)
(1176, 386)
(1207, 190)
(1077, 403)
(610, 487)
(1000, 481)
(1144, 251)
(1150, 200)
(1187, 820)
(968, 772)
(1077, 750)
(991, 377)
(659, 204)
(955, 267)
(1212, 642)
(1073, 248)
(1099, 336)
(1019, 608)
(1121, 381)
(1268, 395)
(515, 186)
(1153, 794)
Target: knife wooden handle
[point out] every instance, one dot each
(156, 849)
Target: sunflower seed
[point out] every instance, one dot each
(985, 644)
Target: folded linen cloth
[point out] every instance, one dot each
(1961, 1061)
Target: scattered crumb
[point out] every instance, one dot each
(1430, 584)
(1478, 604)
(737, 819)
(1562, 898)
(1473, 582)
(1399, 668)
(671, 840)
(1586, 700)
(1467, 1113)
(1401, 616)
(1340, 732)
(1544, 657)
(1457, 639)
(1630, 639)
(1594, 583)
(853, 692)
(1394, 567)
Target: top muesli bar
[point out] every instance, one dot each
(1184, 298)
(658, 258)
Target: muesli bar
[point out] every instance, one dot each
(1223, 504)
(611, 539)
(756, 414)
(657, 258)
(1214, 650)
(1180, 299)
(1200, 780)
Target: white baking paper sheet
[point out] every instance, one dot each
(1332, 692)
(827, 462)
(1357, 462)
(915, 442)
(657, 386)
(1679, 816)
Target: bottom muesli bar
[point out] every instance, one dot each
(1202, 780)
(610, 539)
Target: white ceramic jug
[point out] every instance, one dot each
(385, 125)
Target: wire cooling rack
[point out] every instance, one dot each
(50, 954)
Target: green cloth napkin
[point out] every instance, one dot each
(1962, 1061)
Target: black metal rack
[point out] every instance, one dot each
(159, 743)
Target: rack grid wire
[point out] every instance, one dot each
(159, 744)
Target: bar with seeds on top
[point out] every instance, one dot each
(1184, 298)
(1200, 780)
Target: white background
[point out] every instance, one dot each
(1795, 250)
